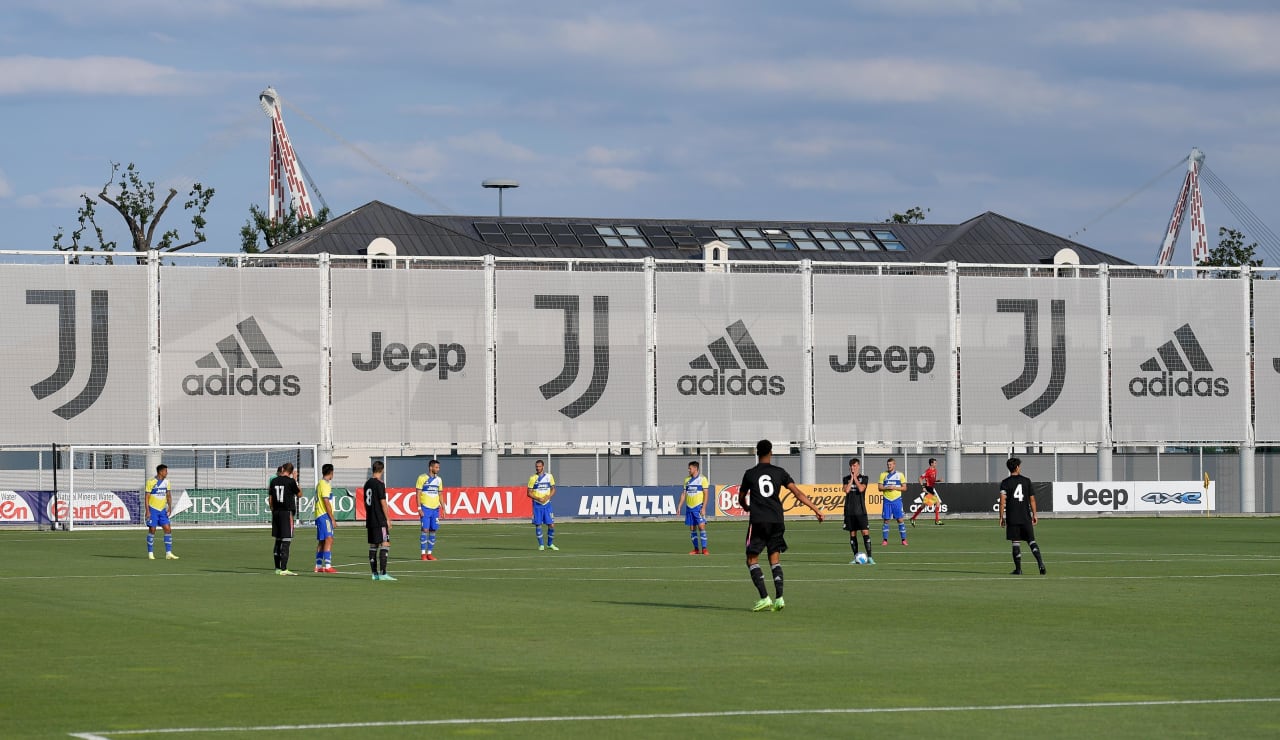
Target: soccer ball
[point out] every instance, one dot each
(860, 558)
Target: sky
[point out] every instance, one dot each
(1051, 113)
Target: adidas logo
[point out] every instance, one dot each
(1182, 354)
(231, 356)
(731, 374)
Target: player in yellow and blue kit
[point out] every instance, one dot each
(693, 500)
(159, 508)
(325, 521)
(542, 486)
(429, 486)
(892, 485)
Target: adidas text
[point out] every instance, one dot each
(916, 361)
(719, 383)
(1166, 385)
(424, 357)
(228, 383)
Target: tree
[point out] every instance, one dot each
(913, 215)
(1231, 252)
(135, 201)
(274, 234)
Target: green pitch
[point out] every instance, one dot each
(1142, 628)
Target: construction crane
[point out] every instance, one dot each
(1188, 199)
(285, 168)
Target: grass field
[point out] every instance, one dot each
(1142, 628)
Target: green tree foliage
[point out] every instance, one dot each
(913, 215)
(274, 234)
(1231, 252)
(135, 200)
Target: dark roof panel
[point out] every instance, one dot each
(989, 238)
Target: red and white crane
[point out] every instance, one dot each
(1188, 198)
(285, 169)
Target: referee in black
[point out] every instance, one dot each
(377, 521)
(761, 495)
(283, 493)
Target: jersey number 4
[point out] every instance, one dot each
(1017, 493)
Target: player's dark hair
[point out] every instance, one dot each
(326, 469)
(540, 462)
(160, 467)
(279, 469)
(694, 464)
(432, 462)
(377, 466)
(764, 447)
(287, 468)
(854, 460)
(888, 460)
(933, 460)
(1013, 464)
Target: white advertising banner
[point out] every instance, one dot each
(1169, 496)
(1030, 360)
(1177, 361)
(1266, 359)
(730, 357)
(570, 357)
(408, 356)
(240, 355)
(881, 358)
(73, 354)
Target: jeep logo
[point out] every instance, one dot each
(423, 357)
(1115, 498)
(915, 361)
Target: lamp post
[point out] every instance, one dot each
(500, 185)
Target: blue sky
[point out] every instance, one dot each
(1046, 112)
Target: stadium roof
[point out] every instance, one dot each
(985, 238)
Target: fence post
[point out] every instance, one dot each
(326, 362)
(954, 469)
(153, 365)
(649, 461)
(1248, 496)
(1106, 444)
(489, 448)
(808, 446)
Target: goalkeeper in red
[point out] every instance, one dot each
(929, 482)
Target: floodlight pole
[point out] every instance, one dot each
(500, 185)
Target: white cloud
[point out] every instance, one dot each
(417, 162)
(66, 196)
(6, 190)
(491, 144)
(94, 75)
(626, 41)
(943, 8)
(602, 156)
(893, 80)
(1242, 41)
(619, 178)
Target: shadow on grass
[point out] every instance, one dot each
(661, 605)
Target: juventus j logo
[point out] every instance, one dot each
(65, 300)
(600, 354)
(1030, 310)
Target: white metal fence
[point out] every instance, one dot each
(462, 354)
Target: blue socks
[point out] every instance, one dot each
(884, 531)
(702, 535)
(537, 531)
(422, 541)
(168, 543)
(551, 534)
(693, 538)
(151, 542)
(902, 530)
(431, 541)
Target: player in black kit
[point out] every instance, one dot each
(855, 510)
(761, 495)
(282, 493)
(377, 521)
(1018, 514)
